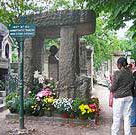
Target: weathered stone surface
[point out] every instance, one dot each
(37, 53)
(28, 74)
(64, 18)
(67, 61)
(33, 59)
(83, 58)
(50, 23)
(83, 87)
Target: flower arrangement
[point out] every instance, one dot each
(63, 105)
(43, 100)
(41, 81)
(43, 92)
(87, 111)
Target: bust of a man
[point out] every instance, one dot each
(52, 58)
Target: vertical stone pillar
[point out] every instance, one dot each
(90, 64)
(83, 58)
(33, 59)
(38, 50)
(28, 75)
(67, 61)
(77, 56)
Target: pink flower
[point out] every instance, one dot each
(47, 89)
(45, 93)
(39, 94)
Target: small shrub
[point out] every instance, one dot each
(12, 102)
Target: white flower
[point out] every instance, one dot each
(44, 73)
(63, 103)
(29, 92)
(36, 74)
(38, 99)
(41, 79)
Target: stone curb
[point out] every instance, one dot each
(56, 119)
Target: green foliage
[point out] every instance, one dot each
(50, 42)
(11, 96)
(75, 106)
(104, 42)
(2, 85)
(12, 102)
(11, 10)
(14, 57)
(28, 103)
(117, 12)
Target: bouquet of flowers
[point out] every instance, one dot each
(42, 81)
(89, 110)
(45, 99)
(63, 105)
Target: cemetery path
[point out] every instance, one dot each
(10, 127)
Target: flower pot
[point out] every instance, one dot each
(72, 116)
(64, 115)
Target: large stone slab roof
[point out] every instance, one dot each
(64, 17)
(50, 23)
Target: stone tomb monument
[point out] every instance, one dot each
(69, 26)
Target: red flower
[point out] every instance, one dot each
(92, 106)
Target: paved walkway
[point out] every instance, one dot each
(56, 128)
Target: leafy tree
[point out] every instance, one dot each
(105, 43)
(118, 12)
(11, 10)
(50, 42)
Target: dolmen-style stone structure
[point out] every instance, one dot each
(69, 26)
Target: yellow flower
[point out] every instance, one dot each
(45, 100)
(50, 100)
(81, 107)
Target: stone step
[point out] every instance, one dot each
(2, 107)
(2, 93)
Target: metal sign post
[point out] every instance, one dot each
(21, 31)
(21, 83)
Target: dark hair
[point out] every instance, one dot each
(122, 61)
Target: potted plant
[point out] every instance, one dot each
(12, 102)
(48, 106)
(63, 106)
(75, 108)
(90, 109)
